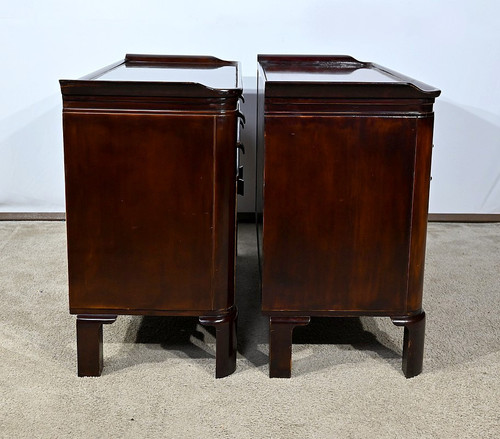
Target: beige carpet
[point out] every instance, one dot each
(158, 380)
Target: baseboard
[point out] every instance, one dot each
(249, 217)
(464, 217)
(32, 216)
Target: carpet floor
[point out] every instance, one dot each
(158, 379)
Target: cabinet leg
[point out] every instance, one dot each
(89, 343)
(280, 344)
(225, 339)
(413, 343)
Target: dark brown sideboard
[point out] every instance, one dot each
(150, 150)
(346, 152)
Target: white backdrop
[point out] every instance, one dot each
(451, 44)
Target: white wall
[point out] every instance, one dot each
(453, 45)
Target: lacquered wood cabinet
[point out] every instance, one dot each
(346, 152)
(150, 150)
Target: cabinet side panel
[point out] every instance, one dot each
(420, 212)
(337, 212)
(224, 210)
(139, 194)
(259, 161)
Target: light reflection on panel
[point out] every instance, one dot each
(220, 78)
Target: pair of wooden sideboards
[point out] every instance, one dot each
(151, 163)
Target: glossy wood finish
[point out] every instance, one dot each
(346, 149)
(225, 334)
(89, 343)
(280, 344)
(413, 343)
(151, 192)
(331, 224)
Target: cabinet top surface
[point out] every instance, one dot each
(299, 74)
(150, 75)
(333, 73)
(223, 77)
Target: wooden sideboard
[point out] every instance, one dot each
(346, 152)
(150, 151)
